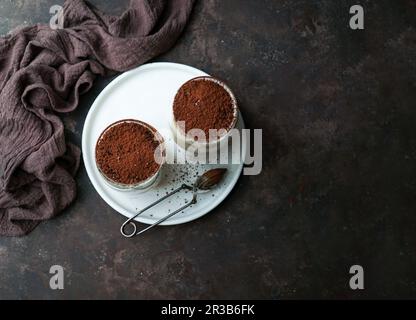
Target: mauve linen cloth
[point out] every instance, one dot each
(42, 74)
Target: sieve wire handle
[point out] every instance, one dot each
(133, 224)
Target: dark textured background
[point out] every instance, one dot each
(339, 182)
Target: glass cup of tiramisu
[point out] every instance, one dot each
(129, 155)
(204, 112)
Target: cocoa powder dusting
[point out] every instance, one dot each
(203, 104)
(125, 153)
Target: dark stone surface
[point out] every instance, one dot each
(339, 181)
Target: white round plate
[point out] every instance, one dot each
(146, 94)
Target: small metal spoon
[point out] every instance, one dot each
(205, 182)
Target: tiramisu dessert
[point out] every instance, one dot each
(204, 103)
(128, 154)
